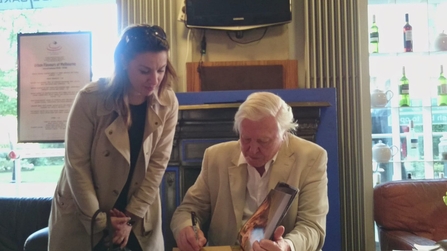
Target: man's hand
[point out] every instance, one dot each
(186, 239)
(278, 243)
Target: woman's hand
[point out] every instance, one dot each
(121, 227)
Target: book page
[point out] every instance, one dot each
(263, 222)
(279, 203)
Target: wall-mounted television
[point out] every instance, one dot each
(237, 14)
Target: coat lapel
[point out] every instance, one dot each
(152, 123)
(281, 168)
(153, 119)
(238, 184)
(117, 134)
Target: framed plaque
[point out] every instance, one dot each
(52, 68)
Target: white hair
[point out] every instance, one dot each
(259, 105)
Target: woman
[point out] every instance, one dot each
(118, 143)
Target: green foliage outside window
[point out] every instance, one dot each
(13, 22)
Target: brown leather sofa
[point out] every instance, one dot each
(410, 211)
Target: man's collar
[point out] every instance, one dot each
(242, 160)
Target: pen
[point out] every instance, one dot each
(194, 224)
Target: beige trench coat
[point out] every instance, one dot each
(97, 163)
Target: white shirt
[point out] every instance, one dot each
(257, 189)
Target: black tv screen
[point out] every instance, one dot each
(236, 14)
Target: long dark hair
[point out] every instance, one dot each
(136, 39)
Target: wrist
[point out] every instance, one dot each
(130, 222)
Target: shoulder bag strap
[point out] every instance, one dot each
(92, 226)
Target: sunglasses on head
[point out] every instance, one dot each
(145, 32)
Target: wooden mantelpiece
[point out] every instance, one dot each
(236, 105)
(220, 115)
(285, 71)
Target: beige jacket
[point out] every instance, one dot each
(218, 194)
(97, 163)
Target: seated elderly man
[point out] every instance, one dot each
(236, 176)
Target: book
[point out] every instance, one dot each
(268, 216)
(427, 247)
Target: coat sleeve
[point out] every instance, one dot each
(310, 225)
(197, 199)
(78, 143)
(146, 193)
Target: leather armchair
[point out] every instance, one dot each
(20, 218)
(37, 241)
(410, 211)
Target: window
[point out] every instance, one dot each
(38, 167)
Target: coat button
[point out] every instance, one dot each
(106, 153)
(156, 123)
(110, 132)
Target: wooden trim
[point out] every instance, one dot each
(290, 71)
(236, 105)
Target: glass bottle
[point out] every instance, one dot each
(408, 35)
(374, 36)
(413, 152)
(442, 89)
(404, 90)
(442, 147)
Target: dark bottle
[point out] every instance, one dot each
(409, 176)
(408, 35)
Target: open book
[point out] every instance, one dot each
(264, 221)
